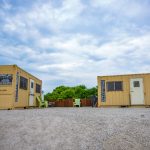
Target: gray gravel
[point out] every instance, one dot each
(75, 129)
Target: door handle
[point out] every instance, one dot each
(131, 91)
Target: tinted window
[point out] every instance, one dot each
(103, 94)
(118, 86)
(115, 86)
(6, 79)
(136, 84)
(23, 83)
(110, 86)
(38, 88)
(31, 84)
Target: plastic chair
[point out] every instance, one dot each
(41, 103)
(76, 102)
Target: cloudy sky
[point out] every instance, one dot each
(70, 42)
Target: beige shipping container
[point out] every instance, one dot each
(124, 90)
(18, 88)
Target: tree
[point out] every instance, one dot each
(92, 91)
(69, 93)
(60, 89)
(51, 96)
(65, 92)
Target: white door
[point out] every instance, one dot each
(136, 91)
(31, 95)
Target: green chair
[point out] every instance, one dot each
(76, 102)
(41, 103)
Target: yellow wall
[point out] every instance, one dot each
(115, 98)
(8, 92)
(23, 95)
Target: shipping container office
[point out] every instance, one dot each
(124, 90)
(18, 88)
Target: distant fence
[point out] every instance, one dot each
(86, 102)
(69, 103)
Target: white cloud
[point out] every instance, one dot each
(75, 62)
(43, 15)
(103, 3)
(46, 49)
(124, 8)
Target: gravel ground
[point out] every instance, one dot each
(75, 129)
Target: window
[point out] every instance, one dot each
(103, 94)
(136, 84)
(118, 86)
(110, 86)
(31, 84)
(23, 83)
(38, 88)
(115, 86)
(6, 79)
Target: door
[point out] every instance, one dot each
(31, 95)
(136, 91)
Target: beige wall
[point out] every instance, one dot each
(23, 95)
(115, 98)
(8, 92)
